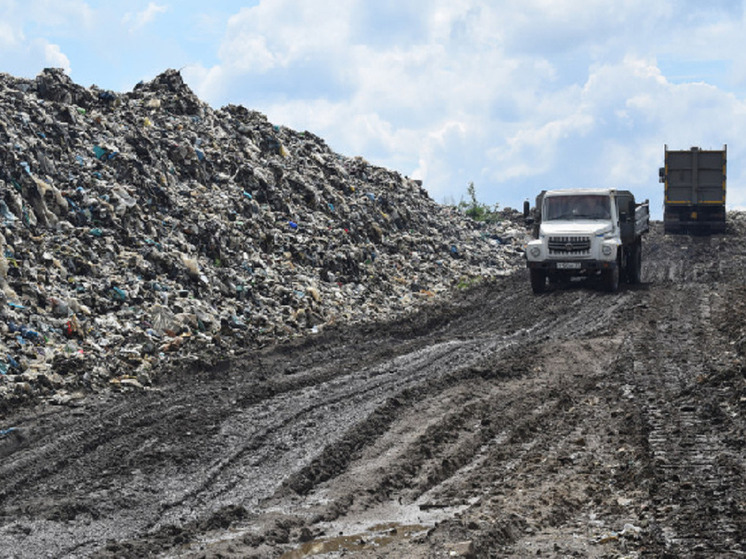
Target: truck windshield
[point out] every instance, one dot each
(587, 206)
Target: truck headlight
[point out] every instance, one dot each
(606, 250)
(535, 252)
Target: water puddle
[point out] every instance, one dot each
(373, 538)
(365, 531)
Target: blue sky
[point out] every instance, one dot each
(513, 95)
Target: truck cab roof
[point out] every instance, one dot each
(584, 191)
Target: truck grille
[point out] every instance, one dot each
(569, 246)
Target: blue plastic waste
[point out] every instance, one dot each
(99, 152)
(119, 294)
(5, 211)
(24, 332)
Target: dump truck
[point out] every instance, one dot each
(694, 193)
(587, 233)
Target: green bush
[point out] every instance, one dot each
(476, 209)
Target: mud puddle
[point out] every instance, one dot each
(376, 537)
(364, 531)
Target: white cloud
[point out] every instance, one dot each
(10, 37)
(25, 30)
(30, 57)
(138, 20)
(66, 14)
(54, 57)
(282, 32)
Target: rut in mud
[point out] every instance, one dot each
(503, 424)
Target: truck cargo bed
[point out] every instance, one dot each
(694, 197)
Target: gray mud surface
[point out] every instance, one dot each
(574, 423)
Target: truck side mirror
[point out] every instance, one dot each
(662, 174)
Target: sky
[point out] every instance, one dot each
(514, 96)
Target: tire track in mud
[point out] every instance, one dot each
(482, 358)
(698, 487)
(300, 419)
(395, 384)
(507, 417)
(452, 440)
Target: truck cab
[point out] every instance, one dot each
(587, 233)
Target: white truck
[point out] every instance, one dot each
(587, 233)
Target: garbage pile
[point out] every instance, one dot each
(145, 229)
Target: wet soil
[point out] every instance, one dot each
(574, 423)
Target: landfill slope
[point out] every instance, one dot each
(145, 230)
(498, 423)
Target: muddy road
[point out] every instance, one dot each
(575, 423)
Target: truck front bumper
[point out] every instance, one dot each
(572, 266)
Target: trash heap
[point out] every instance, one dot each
(146, 229)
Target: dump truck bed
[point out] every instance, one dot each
(695, 177)
(694, 196)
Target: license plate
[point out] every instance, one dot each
(568, 265)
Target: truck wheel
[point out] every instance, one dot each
(610, 279)
(634, 265)
(538, 281)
